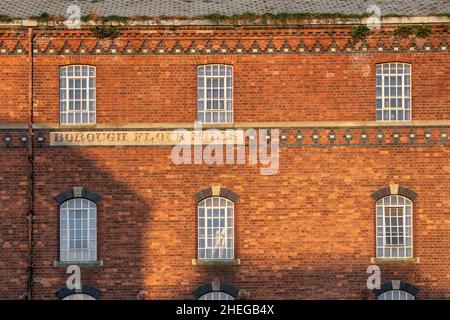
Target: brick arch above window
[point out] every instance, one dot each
(394, 189)
(216, 286)
(396, 285)
(77, 192)
(85, 289)
(216, 191)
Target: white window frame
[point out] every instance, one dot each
(78, 230)
(396, 295)
(389, 94)
(215, 229)
(216, 295)
(77, 94)
(387, 249)
(79, 296)
(210, 108)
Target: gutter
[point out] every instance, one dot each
(193, 22)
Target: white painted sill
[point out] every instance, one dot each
(395, 260)
(216, 262)
(87, 264)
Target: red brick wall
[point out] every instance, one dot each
(14, 206)
(307, 86)
(282, 87)
(305, 233)
(14, 89)
(310, 237)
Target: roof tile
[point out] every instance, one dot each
(195, 8)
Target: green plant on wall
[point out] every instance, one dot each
(43, 17)
(4, 17)
(359, 33)
(421, 31)
(103, 32)
(403, 31)
(215, 18)
(277, 18)
(119, 19)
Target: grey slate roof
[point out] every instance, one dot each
(194, 8)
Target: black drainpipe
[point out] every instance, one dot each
(31, 161)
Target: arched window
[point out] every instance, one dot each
(396, 290)
(394, 227)
(396, 295)
(79, 296)
(78, 230)
(393, 92)
(77, 94)
(215, 93)
(216, 295)
(86, 292)
(216, 228)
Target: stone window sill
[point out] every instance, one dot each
(86, 264)
(395, 260)
(216, 262)
(74, 125)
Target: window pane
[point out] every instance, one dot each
(79, 296)
(77, 244)
(218, 295)
(392, 91)
(77, 85)
(214, 86)
(214, 221)
(396, 295)
(393, 226)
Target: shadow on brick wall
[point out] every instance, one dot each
(122, 216)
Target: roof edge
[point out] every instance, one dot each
(180, 21)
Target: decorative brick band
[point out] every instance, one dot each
(85, 289)
(365, 136)
(396, 285)
(406, 134)
(216, 191)
(338, 136)
(216, 287)
(176, 44)
(394, 190)
(77, 192)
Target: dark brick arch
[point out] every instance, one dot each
(78, 192)
(223, 192)
(396, 285)
(212, 287)
(387, 191)
(85, 289)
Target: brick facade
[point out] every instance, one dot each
(307, 232)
